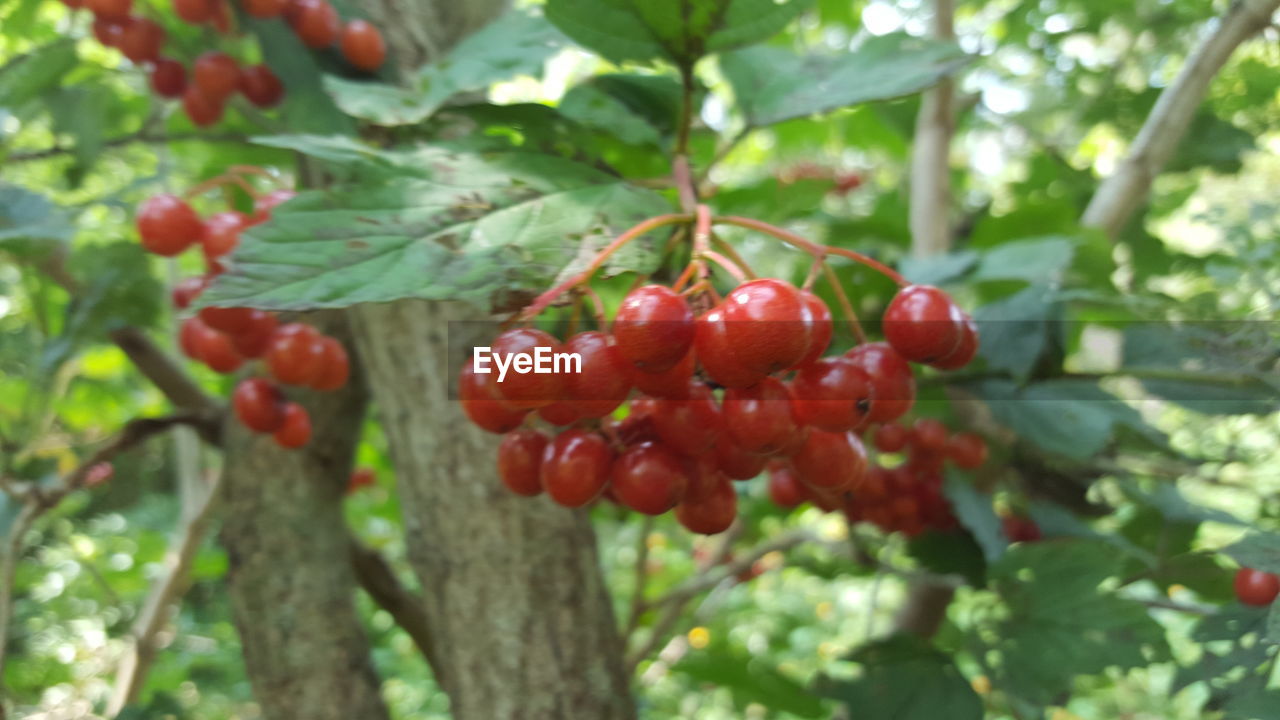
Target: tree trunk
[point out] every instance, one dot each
(520, 616)
(291, 583)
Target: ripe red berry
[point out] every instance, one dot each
(110, 9)
(363, 46)
(785, 490)
(168, 78)
(760, 418)
(218, 353)
(187, 290)
(520, 461)
(259, 404)
(560, 413)
(833, 394)
(361, 477)
(1020, 529)
(231, 321)
(316, 23)
(831, 461)
(649, 479)
(690, 426)
(736, 463)
(818, 319)
(890, 438)
(929, 435)
(337, 366)
(602, 383)
(964, 352)
(767, 323)
(201, 109)
(141, 40)
(1255, 587)
(718, 355)
(216, 74)
(712, 512)
(255, 339)
(892, 382)
(222, 233)
(575, 467)
(191, 337)
(109, 32)
(261, 86)
(654, 328)
(524, 385)
(264, 8)
(967, 450)
(482, 404)
(673, 383)
(923, 324)
(168, 225)
(296, 430)
(195, 12)
(296, 354)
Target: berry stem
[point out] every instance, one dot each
(815, 269)
(814, 249)
(730, 252)
(219, 181)
(855, 325)
(726, 264)
(597, 307)
(702, 241)
(685, 276)
(543, 301)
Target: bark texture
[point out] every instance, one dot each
(521, 622)
(291, 583)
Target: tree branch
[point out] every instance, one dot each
(1120, 195)
(380, 581)
(931, 154)
(171, 379)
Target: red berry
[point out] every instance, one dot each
(575, 467)
(482, 405)
(967, 450)
(833, 394)
(760, 418)
(831, 461)
(673, 383)
(261, 86)
(718, 356)
(891, 438)
(711, 512)
(690, 426)
(201, 109)
(195, 12)
(216, 74)
(232, 321)
(923, 324)
(602, 383)
(141, 40)
(1255, 587)
(337, 366)
(296, 354)
(218, 353)
(649, 479)
(560, 413)
(110, 9)
(168, 225)
(254, 341)
(532, 378)
(736, 463)
(892, 382)
(929, 436)
(222, 233)
(191, 337)
(259, 404)
(964, 352)
(168, 78)
(768, 324)
(363, 46)
(263, 206)
(316, 23)
(654, 328)
(263, 8)
(520, 461)
(785, 490)
(109, 32)
(1020, 529)
(361, 477)
(296, 430)
(187, 290)
(818, 319)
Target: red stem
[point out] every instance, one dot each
(726, 264)
(597, 306)
(814, 249)
(846, 307)
(731, 253)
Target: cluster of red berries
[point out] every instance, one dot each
(216, 76)
(224, 338)
(1255, 587)
(720, 395)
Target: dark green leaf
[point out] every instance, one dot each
(1014, 331)
(1165, 499)
(592, 107)
(948, 553)
(78, 112)
(1039, 260)
(974, 511)
(30, 225)
(905, 678)
(764, 79)
(1257, 550)
(938, 269)
(28, 76)
(306, 107)
(750, 680)
(1066, 417)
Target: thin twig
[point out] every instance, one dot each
(641, 576)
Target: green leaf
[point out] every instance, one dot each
(306, 107)
(1014, 331)
(904, 678)
(1056, 521)
(1165, 499)
(1226, 354)
(678, 30)
(1038, 260)
(31, 226)
(765, 79)
(480, 229)
(1257, 550)
(950, 552)
(592, 107)
(1065, 417)
(974, 511)
(938, 269)
(749, 680)
(78, 112)
(1059, 624)
(517, 43)
(29, 76)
